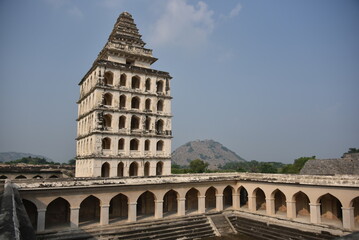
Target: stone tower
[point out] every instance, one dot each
(124, 110)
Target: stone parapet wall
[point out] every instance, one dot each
(337, 180)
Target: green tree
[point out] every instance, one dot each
(198, 166)
(297, 165)
(72, 161)
(353, 150)
(265, 167)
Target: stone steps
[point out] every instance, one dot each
(223, 226)
(190, 227)
(262, 230)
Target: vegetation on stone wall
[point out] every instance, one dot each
(353, 150)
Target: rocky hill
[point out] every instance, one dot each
(209, 151)
(11, 156)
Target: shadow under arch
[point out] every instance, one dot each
(57, 214)
(192, 200)
(118, 207)
(89, 210)
(146, 204)
(170, 205)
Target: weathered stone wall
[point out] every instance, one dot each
(348, 164)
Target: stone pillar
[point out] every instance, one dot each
(219, 202)
(270, 207)
(74, 216)
(291, 210)
(158, 209)
(132, 211)
(348, 218)
(314, 212)
(201, 204)
(41, 219)
(104, 214)
(252, 204)
(181, 205)
(235, 199)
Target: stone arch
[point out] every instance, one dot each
(133, 170)
(107, 99)
(123, 79)
(122, 122)
(148, 104)
(57, 214)
(89, 210)
(107, 120)
(330, 209)
(228, 196)
(355, 204)
(210, 201)
(243, 197)
(134, 144)
(121, 144)
(105, 170)
(160, 106)
(192, 199)
(135, 83)
(280, 202)
(147, 169)
(159, 168)
(37, 177)
(122, 101)
(20, 177)
(118, 206)
(159, 126)
(108, 78)
(148, 84)
(106, 143)
(260, 199)
(135, 122)
(159, 145)
(147, 145)
(170, 202)
(135, 103)
(3, 177)
(53, 176)
(159, 86)
(31, 211)
(146, 204)
(120, 169)
(302, 208)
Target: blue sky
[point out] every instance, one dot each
(271, 80)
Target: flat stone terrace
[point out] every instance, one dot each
(313, 180)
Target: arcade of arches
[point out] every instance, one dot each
(134, 199)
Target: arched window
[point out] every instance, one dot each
(135, 103)
(133, 169)
(105, 170)
(159, 145)
(147, 123)
(135, 122)
(147, 145)
(148, 104)
(146, 169)
(122, 101)
(121, 144)
(159, 86)
(159, 167)
(107, 99)
(120, 169)
(148, 84)
(107, 120)
(134, 144)
(123, 80)
(135, 82)
(108, 78)
(122, 122)
(106, 143)
(159, 126)
(160, 106)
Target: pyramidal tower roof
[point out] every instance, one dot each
(125, 42)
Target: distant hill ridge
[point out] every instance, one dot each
(11, 156)
(212, 152)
